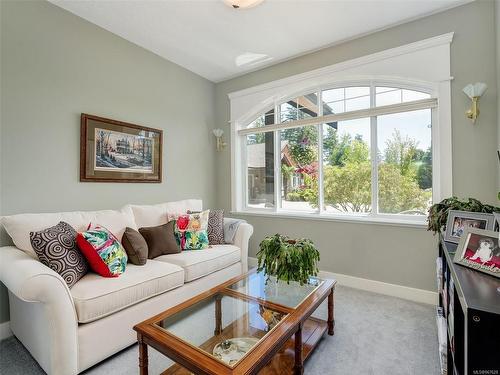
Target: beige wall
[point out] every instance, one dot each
(54, 66)
(394, 254)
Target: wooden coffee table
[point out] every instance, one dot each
(253, 327)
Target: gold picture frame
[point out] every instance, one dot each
(116, 151)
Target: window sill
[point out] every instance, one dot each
(402, 222)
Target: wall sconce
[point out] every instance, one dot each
(218, 136)
(474, 92)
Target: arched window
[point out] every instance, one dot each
(363, 139)
(353, 150)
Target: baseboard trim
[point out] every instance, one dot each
(5, 331)
(394, 290)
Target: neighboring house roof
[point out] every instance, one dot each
(287, 158)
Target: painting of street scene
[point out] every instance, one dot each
(123, 152)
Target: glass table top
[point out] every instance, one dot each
(229, 323)
(223, 326)
(283, 293)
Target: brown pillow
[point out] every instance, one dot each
(136, 247)
(161, 239)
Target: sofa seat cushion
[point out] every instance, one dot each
(199, 263)
(96, 297)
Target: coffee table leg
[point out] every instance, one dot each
(331, 321)
(143, 356)
(298, 368)
(218, 315)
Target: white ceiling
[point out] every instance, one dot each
(218, 42)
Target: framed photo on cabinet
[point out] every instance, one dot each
(459, 221)
(479, 249)
(116, 151)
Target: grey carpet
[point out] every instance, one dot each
(374, 334)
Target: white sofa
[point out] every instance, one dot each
(68, 330)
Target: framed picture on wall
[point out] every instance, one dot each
(116, 151)
(459, 221)
(479, 249)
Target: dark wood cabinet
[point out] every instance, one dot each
(470, 305)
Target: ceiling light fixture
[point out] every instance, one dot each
(242, 4)
(250, 58)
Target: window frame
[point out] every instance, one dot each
(241, 131)
(422, 65)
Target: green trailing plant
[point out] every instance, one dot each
(438, 213)
(288, 259)
(293, 196)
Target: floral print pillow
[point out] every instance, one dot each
(191, 231)
(105, 254)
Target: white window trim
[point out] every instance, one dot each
(268, 95)
(368, 112)
(400, 220)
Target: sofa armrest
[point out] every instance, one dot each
(31, 281)
(241, 238)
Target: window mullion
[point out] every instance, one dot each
(244, 174)
(437, 193)
(374, 154)
(320, 155)
(277, 170)
(374, 163)
(277, 161)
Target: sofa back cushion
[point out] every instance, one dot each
(19, 226)
(158, 214)
(134, 216)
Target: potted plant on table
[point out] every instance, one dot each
(288, 259)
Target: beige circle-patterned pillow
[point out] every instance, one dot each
(56, 248)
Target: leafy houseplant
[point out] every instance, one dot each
(288, 259)
(438, 213)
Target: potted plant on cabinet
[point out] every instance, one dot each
(288, 259)
(438, 213)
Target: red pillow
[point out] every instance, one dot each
(105, 254)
